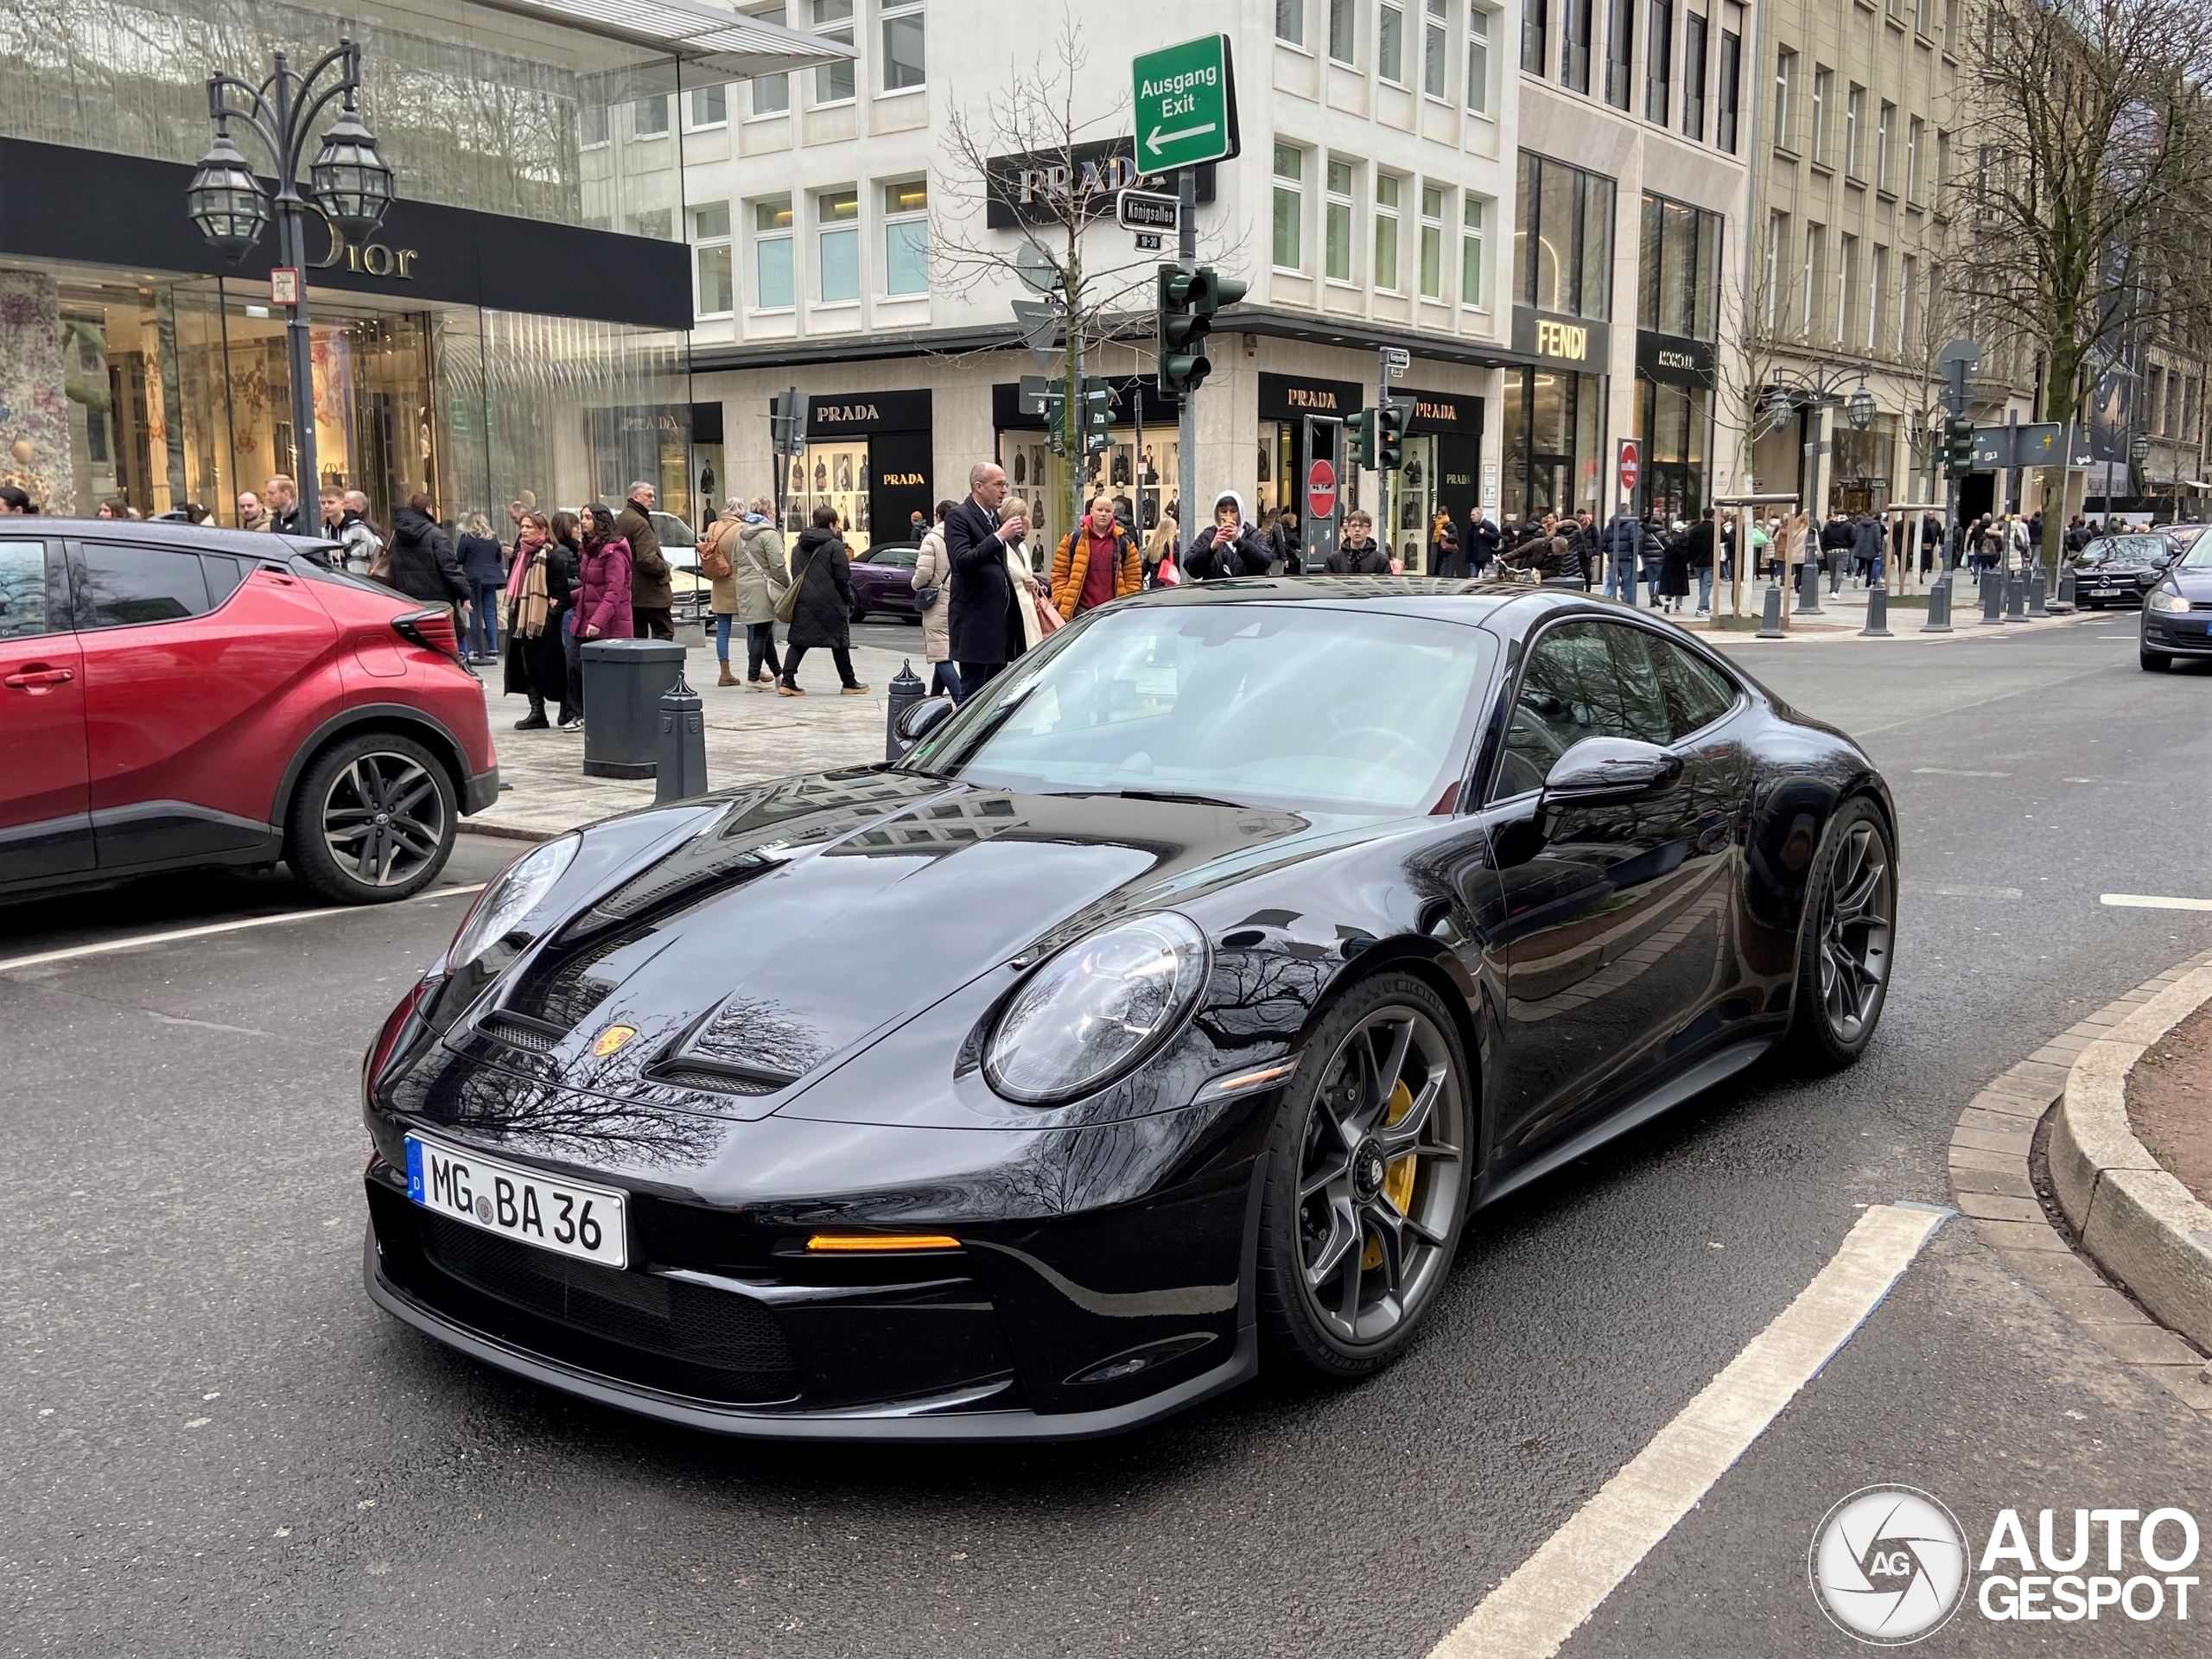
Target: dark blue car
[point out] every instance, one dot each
(2178, 611)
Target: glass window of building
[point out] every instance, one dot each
(1808, 280)
(1620, 50)
(1336, 241)
(1727, 93)
(1777, 237)
(1289, 207)
(649, 117)
(1693, 37)
(710, 106)
(832, 81)
(1659, 62)
(1387, 231)
(907, 238)
(902, 44)
(837, 245)
(1290, 22)
(659, 223)
(1847, 295)
(591, 125)
(1913, 128)
(1816, 142)
(1854, 105)
(771, 94)
(1577, 20)
(1908, 307)
(1878, 301)
(1678, 268)
(1471, 262)
(1343, 30)
(1562, 238)
(773, 288)
(1679, 275)
(1432, 241)
(1786, 77)
(1886, 124)
(1479, 58)
(1536, 18)
(1435, 47)
(1390, 45)
(710, 240)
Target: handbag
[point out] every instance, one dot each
(787, 601)
(926, 597)
(1049, 620)
(714, 562)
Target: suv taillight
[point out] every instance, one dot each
(432, 630)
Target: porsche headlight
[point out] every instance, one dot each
(512, 896)
(2167, 600)
(1095, 1009)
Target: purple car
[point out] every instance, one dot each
(883, 579)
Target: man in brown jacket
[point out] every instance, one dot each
(652, 600)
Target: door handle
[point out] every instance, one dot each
(37, 677)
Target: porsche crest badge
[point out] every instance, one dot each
(611, 1039)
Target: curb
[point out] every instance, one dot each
(2142, 1225)
(1993, 1179)
(507, 831)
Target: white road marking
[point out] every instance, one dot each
(1547, 1598)
(1953, 772)
(2151, 902)
(176, 933)
(1955, 892)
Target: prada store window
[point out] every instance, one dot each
(833, 474)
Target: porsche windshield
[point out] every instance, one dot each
(1291, 705)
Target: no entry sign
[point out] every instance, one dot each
(1631, 468)
(1321, 489)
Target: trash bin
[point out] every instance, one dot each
(623, 682)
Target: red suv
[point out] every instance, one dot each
(172, 696)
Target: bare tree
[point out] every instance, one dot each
(2090, 138)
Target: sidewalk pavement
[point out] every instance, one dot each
(751, 735)
(1842, 615)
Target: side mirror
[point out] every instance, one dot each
(923, 718)
(1601, 770)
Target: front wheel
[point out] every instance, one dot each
(2155, 662)
(1844, 944)
(858, 613)
(1367, 1183)
(373, 821)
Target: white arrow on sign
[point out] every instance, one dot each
(1157, 137)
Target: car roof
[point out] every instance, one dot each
(167, 532)
(1467, 599)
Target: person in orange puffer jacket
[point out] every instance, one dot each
(1082, 578)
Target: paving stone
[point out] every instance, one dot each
(1997, 1206)
(2029, 1088)
(2010, 1183)
(1974, 1158)
(2145, 1343)
(2013, 1140)
(1988, 1122)
(2187, 1384)
(2011, 1106)
(2053, 1269)
(2095, 1305)
(2020, 1237)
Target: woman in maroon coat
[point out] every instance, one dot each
(603, 608)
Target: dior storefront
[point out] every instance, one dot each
(518, 322)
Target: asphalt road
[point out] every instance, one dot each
(212, 1444)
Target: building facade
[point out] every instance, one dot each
(834, 239)
(520, 321)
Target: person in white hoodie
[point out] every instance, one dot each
(1232, 546)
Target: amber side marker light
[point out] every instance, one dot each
(879, 1243)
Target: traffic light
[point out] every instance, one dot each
(1183, 319)
(1056, 398)
(1397, 416)
(1361, 424)
(1095, 420)
(1958, 445)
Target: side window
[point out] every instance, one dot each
(1644, 706)
(1697, 694)
(1569, 691)
(225, 576)
(23, 607)
(125, 585)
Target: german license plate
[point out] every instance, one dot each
(564, 1217)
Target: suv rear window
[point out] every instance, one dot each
(127, 585)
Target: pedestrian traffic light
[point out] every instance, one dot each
(1056, 400)
(1397, 415)
(1958, 445)
(1361, 423)
(1095, 420)
(1183, 319)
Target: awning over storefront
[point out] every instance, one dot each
(699, 35)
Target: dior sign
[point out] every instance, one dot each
(369, 258)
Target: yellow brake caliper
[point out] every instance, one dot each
(1398, 1184)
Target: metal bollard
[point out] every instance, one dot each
(2065, 604)
(1939, 608)
(1992, 598)
(1809, 580)
(906, 691)
(1770, 619)
(680, 759)
(2015, 598)
(1877, 613)
(2037, 591)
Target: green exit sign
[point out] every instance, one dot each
(1185, 104)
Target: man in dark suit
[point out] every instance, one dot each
(985, 629)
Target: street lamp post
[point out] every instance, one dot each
(348, 183)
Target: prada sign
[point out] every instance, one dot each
(1574, 342)
(1038, 187)
(1286, 398)
(1675, 361)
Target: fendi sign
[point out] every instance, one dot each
(1576, 342)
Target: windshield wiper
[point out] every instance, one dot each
(1178, 797)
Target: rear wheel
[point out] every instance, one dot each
(1844, 945)
(2157, 661)
(1366, 1184)
(373, 820)
(858, 613)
